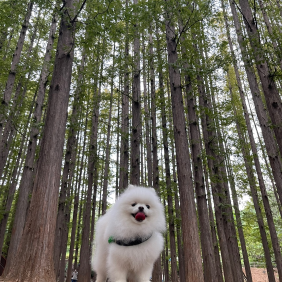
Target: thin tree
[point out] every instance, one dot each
(252, 181)
(85, 250)
(210, 142)
(124, 148)
(147, 121)
(108, 147)
(29, 167)
(267, 131)
(270, 90)
(210, 273)
(169, 188)
(136, 105)
(191, 242)
(13, 70)
(157, 274)
(269, 217)
(76, 204)
(63, 215)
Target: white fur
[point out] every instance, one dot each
(135, 262)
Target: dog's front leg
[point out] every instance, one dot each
(144, 274)
(117, 273)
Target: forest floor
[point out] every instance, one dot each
(260, 275)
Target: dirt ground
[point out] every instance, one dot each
(260, 275)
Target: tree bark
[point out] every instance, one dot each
(12, 189)
(124, 148)
(9, 130)
(28, 170)
(211, 148)
(85, 250)
(210, 273)
(157, 273)
(267, 132)
(176, 199)
(239, 223)
(37, 243)
(271, 93)
(191, 242)
(12, 73)
(75, 208)
(214, 235)
(70, 156)
(269, 217)
(108, 146)
(169, 188)
(252, 182)
(147, 124)
(136, 109)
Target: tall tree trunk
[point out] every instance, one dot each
(64, 240)
(276, 47)
(252, 182)
(157, 273)
(228, 215)
(211, 149)
(214, 235)
(267, 132)
(75, 208)
(191, 242)
(270, 174)
(239, 223)
(176, 200)
(244, 251)
(78, 232)
(124, 155)
(12, 73)
(118, 137)
(269, 217)
(37, 243)
(271, 93)
(169, 188)
(210, 273)
(28, 170)
(108, 147)
(85, 250)
(12, 189)
(9, 130)
(147, 123)
(136, 108)
(70, 156)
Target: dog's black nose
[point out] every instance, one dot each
(141, 208)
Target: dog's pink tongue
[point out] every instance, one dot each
(140, 216)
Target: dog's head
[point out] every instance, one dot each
(141, 207)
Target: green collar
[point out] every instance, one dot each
(131, 242)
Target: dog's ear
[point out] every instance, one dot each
(130, 186)
(152, 189)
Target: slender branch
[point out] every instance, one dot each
(187, 22)
(242, 15)
(255, 12)
(127, 95)
(80, 9)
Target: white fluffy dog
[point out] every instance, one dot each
(128, 237)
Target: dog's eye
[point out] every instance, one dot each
(148, 206)
(134, 204)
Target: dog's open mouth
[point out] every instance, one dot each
(139, 216)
